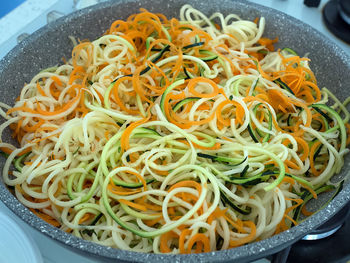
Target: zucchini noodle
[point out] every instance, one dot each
(175, 136)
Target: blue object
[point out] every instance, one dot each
(8, 5)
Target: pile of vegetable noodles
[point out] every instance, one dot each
(175, 136)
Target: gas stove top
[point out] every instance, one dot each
(33, 14)
(327, 244)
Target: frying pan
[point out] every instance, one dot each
(46, 47)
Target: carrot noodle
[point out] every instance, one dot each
(174, 136)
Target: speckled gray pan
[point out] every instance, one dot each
(47, 46)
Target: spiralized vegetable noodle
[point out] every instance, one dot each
(175, 136)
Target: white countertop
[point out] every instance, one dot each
(50, 250)
(33, 14)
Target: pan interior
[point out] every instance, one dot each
(46, 48)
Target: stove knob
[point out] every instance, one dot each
(336, 16)
(344, 10)
(312, 3)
